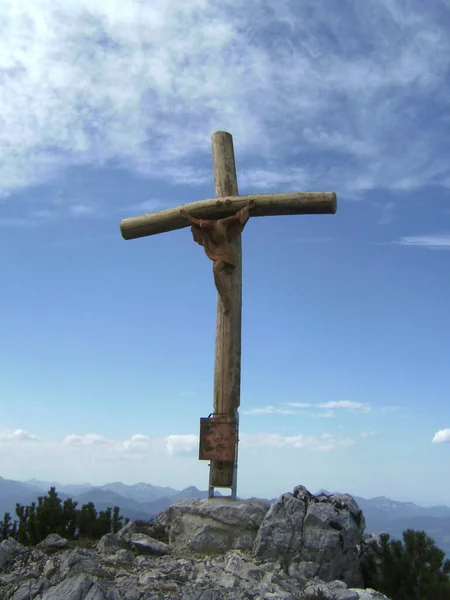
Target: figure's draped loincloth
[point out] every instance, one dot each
(216, 238)
(216, 244)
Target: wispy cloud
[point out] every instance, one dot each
(324, 442)
(146, 206)
(37, 217)
(312, 240)
(137, 442)
(17, 435)
(293, 408)
(91, 439)
(366, 434)
(140, 445)
(177, 445)
(441, 437)
(163, 460)
(134, 84)
(328, 414)
(81, 210)
(389, 409)
(387, 213)
(82, 241)
(16, 222)
(44, 214)
(434, 241)
(347, 405)
(269, 410)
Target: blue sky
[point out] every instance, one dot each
(106, 360)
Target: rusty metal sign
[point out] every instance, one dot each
(218, 438)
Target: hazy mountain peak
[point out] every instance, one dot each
(143, 501)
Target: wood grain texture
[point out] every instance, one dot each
(266, 205)
(227, 365)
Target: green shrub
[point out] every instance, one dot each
(35, 522)
(414, 569)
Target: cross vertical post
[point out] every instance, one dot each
(227, 364)
(217, 224)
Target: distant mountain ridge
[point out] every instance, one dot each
(145, 501)
(138, 501)
(392, 509)
(141, 492)
(382, 507)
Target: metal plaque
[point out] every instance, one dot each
(218, 438)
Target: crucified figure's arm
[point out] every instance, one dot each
(240, 216)
(243, 214)
(198, 222)
(234, 224)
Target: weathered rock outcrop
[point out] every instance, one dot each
(314, 536)
(207, 549)
(215, 525)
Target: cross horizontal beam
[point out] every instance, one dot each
(294, 203)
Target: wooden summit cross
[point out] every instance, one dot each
(217, 225)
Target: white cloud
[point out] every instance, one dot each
(432, 241)
(290, 179)
(109, 448)
(81, 210)
(142, 447)
(138, 442)
(91, 439)
(34, 218)
(179, 445)
(442, 436)
(134, 83)
(329, 414)
(17, 435)
(366, 434)
(326, 414)
(148, 206)
(324, 442)
(173, 460)
(347, 404)
(389, 409)
(269, 410)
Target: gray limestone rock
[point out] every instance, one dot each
(214, 525)
(336, 590)
(9, 549)
(313, 535)
(53, 542)
(72, 588)
(218, 550)
(110, 543)
(148, 545)
(369, 594)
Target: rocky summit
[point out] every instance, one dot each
(301, 546)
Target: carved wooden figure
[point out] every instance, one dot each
(217, 224)
(215, 236)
